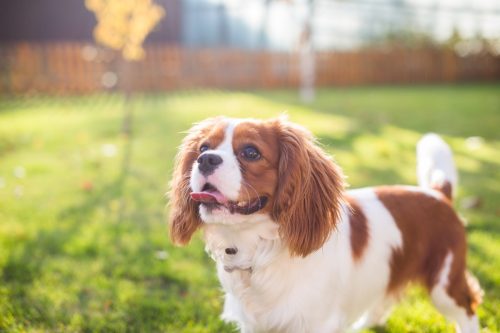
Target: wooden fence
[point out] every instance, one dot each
(76, 68)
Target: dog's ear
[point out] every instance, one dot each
(310, 187)
(184, 214)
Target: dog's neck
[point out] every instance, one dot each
(242, 246)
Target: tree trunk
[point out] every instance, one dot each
(307, 59)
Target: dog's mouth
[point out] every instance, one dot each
(211, 198)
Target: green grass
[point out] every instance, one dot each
(83, 243)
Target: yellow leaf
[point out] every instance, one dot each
(124, 24)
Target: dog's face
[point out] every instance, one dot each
(236, 172)
(232, 171)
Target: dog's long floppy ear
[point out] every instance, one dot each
(309, 194)
(184, 215)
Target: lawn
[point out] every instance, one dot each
(83, 239)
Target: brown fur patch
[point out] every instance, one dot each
(304, 185)
(260, 177)
(213, 135)
(309, 193)
(430, 230)
(445, 188)
(359, 228)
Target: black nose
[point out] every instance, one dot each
(207, 163)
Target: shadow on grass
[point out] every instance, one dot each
(28, 264)
(372, 171)
(379, 329)
(21, 270)
(487, 282)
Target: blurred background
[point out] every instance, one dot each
(96, 95)
(49, 46)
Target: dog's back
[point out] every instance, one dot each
(432, 248)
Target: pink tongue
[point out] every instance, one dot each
(208, 197)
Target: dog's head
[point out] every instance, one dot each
(232, 171)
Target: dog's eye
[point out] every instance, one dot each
(204, 148)
(250, 153)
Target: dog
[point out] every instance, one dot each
(297, 252)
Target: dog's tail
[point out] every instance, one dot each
(435, 166)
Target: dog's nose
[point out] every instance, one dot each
(231, 250)
(207, 163)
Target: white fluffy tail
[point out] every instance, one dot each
(435, 166)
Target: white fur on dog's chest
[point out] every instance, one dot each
(283, 297)
(325, 291)
(265, 300)
(264, 296)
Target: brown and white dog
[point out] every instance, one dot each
(295, 251)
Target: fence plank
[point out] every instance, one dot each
(78, 68)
